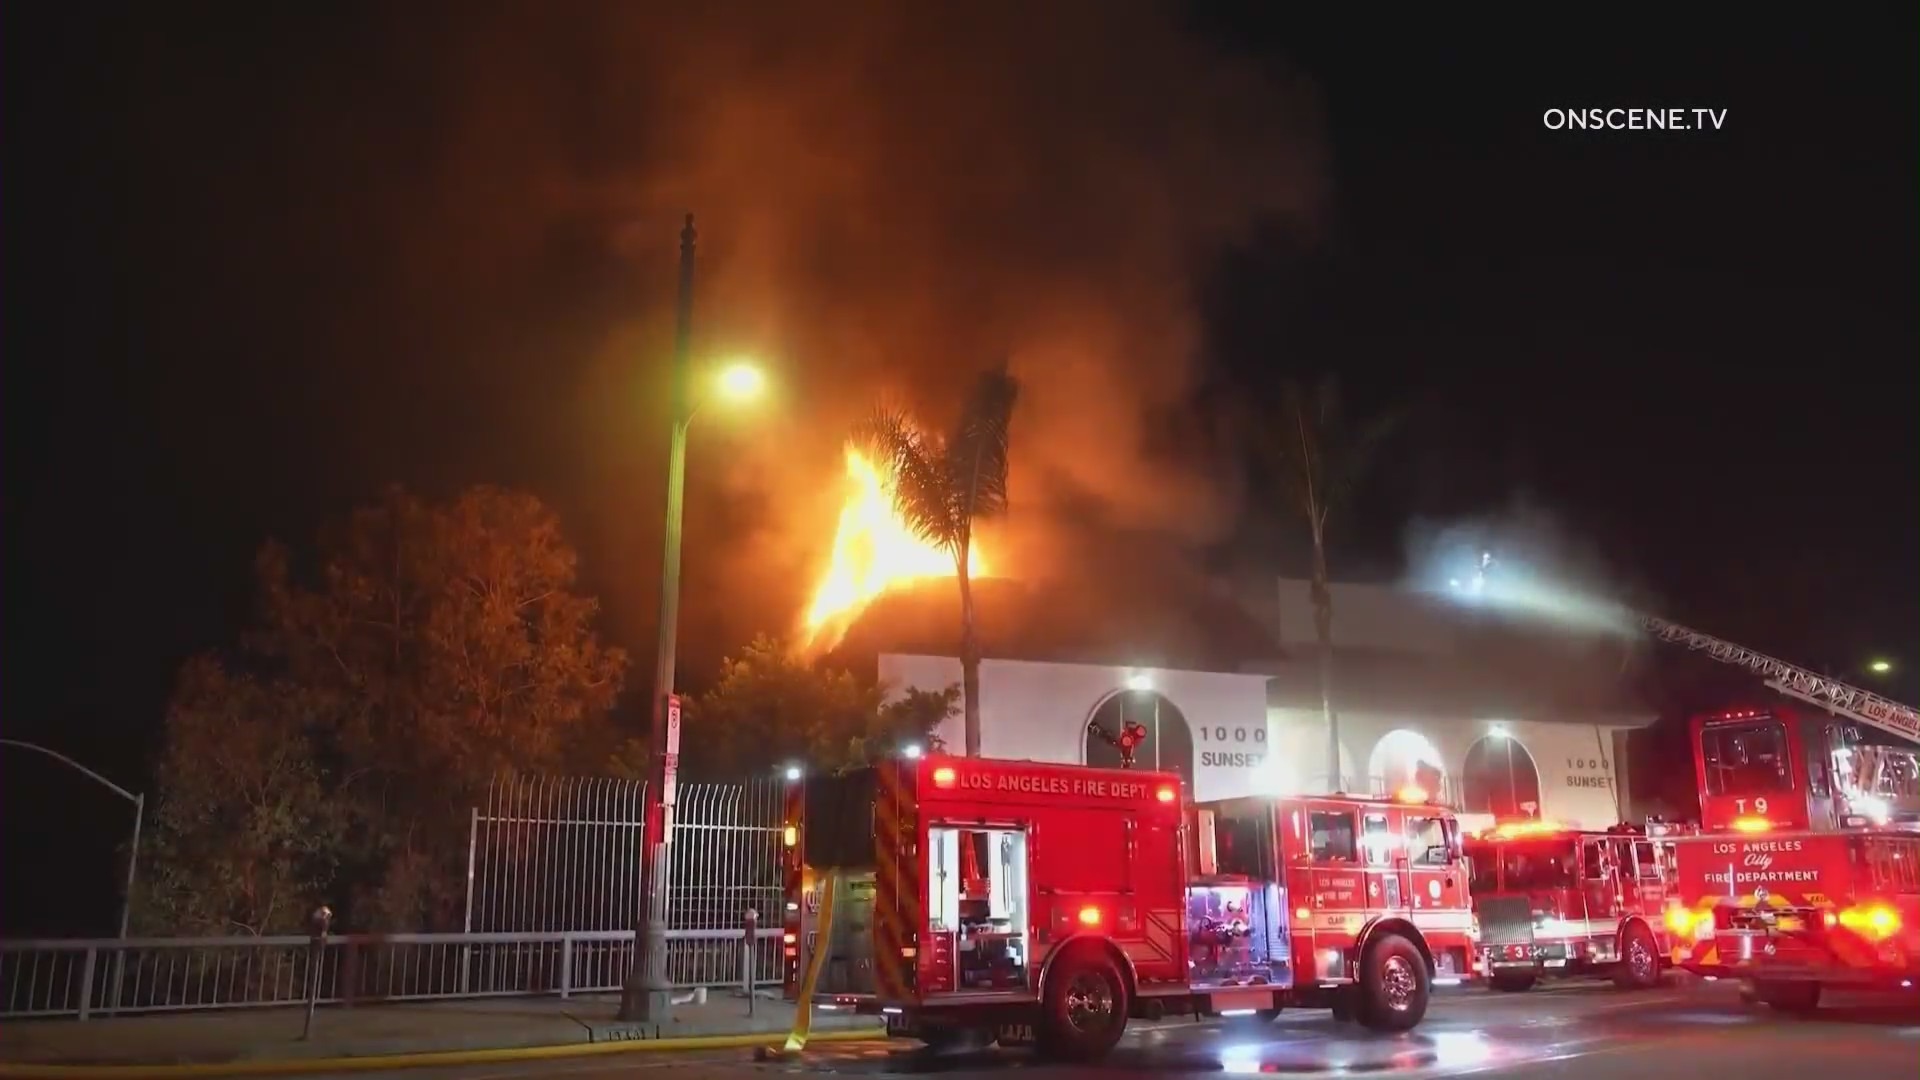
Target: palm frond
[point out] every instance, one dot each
(897, 446)
(976, 454)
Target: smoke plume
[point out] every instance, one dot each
(1526, 564)
(889, 197)
(896, 196)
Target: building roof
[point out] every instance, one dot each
(1133, 622)
(1395, 645)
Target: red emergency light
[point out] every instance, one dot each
(943, 776)
(1165, 794)
(1751, 824)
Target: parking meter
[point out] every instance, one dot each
(318, 923)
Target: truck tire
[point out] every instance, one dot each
(1639, 966)
(1511, 984)
(1798, 998)
(1393, 984)
(1085, 1009)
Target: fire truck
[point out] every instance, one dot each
(1558, 901)
(1792, 912)
(960, 897)
(1802, 873)
(1778, 768)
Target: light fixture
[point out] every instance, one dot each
(1496, 731)
(741, 380)
(911, 751)
(1139, 683)
(793, 773)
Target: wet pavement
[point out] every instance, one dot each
(1572, 1031)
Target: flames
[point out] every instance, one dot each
(873, 551)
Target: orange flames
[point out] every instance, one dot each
(873, 551)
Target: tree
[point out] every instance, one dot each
(769, 706)
(438, 645)
(245, 832)
(1318, 458)
(943, 486)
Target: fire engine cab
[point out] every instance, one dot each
(1558, 901)
(1776, 769)
(958, 896)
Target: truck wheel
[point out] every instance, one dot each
(1393, 984)
(1800, 998)
(1085, 1010)
(1639, 966)
(1511, 984)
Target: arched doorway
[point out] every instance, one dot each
(1169, 742)
(1499, 778)
(1404, 757)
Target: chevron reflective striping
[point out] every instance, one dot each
(895, 901)
(1161, 934)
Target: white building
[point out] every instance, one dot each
(1513, 722)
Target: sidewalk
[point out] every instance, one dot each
(364, 1030)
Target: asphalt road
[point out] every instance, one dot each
(1575, 1031)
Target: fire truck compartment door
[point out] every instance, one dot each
(848, 968)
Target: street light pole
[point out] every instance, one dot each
(139, 814)
(645, 995)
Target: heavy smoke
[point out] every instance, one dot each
(1524, 563)
(896, 196)
(890, 196)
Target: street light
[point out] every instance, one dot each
(1880, 667)
(646, 993)
(139, 814)
(741, 380)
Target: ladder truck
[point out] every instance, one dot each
(1762, 768)
(1805, 873)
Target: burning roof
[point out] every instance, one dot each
(1064, 620)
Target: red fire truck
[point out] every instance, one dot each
(1792, 912)
(1557, 901)
(1775, 768)
(1013, 897)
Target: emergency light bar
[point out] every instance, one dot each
(1514, 829)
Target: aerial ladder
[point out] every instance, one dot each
(1832, 695)
(1836, 697)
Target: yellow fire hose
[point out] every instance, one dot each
(803, 1007)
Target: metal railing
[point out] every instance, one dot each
(549, 854)
(78, 977)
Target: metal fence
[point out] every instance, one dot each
(553, 886)
(550, 855)
(78, 977)
(555, 854)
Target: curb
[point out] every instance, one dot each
(427, 1059)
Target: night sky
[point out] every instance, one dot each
(262, 260)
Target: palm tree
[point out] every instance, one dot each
(942, 486)
(1319, 458)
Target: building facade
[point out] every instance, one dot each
(1507, 724)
